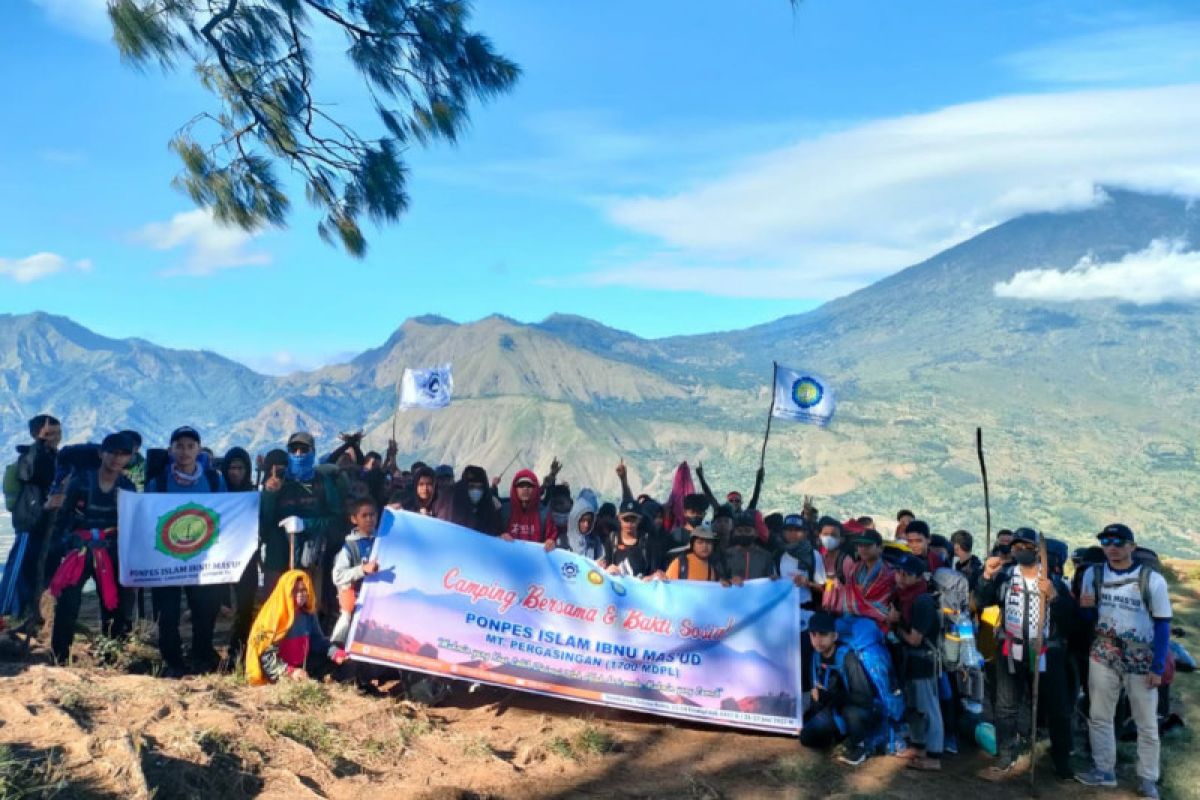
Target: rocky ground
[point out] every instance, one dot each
(98, 729)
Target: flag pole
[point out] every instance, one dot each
(987, 504)
(396, 413)
(762, 459)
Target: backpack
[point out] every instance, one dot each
(863, 636)
(12, 484)
(22, 497)
(158, 485)
(1143, 557)
(952, 592)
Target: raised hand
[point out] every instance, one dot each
(622, 473)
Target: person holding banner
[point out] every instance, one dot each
(580, 537)
(699, 562)
(87, 525)
(469, 503)
(353, 563)
(629, 556)
(185, 474)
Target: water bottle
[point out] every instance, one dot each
(969, 655)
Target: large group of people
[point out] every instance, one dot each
(910, 645)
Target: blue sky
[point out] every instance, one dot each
(664, 168)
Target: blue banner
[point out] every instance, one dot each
(453, 602)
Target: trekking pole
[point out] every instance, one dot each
(987, 504)
(291, 550)
(1043, 572)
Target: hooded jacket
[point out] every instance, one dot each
(458, 508)
(524, 524)
(588, 545)
(238, 454)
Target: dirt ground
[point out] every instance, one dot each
(92, 731)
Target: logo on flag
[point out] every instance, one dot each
(426, 388)
(187, 531)
(802, 396)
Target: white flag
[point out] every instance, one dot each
(185, 539)
(426, 388)
(802, 396)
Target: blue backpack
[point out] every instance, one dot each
(863, 636)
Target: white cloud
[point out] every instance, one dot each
(840, 210)
(85, 17)
(284, 362)
(1138, 54)
(211, 246)
(39, 265)
(1163, 272)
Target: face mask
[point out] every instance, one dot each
(1003, 549)
(561, 520)
(302, 467)
(1025, 558)
(475, 495)
(694, 521)
(830, 542)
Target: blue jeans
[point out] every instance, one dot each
(925, 715)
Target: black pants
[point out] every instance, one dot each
(820, 729)
(205, 603)
(245, 594)
(113, 623)
(1014, 692)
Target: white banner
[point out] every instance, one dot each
(802, 396)
(426, 388)
(185, 539)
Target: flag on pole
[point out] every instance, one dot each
(426, 388)
(802, 396)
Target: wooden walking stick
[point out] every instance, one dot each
(987, 504)
(1043, 609)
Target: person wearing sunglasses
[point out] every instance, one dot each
(1131, 609)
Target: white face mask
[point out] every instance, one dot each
(830, 542)
(475, 495)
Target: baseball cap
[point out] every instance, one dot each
(1026, 535)
(117, 443)
(912, 565)
(793, 521)
(822, 622)
(1116, 531)
(525, 480)
(444, 471)
(629, 508)
(185, 432)
(302, 437)
(869, 537)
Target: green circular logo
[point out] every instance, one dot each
(187, 531)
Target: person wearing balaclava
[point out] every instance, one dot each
(470, 504)
(300, 517)
(580, 536)
(1019, 589)
(744, 559)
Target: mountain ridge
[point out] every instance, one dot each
(1085, 405)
